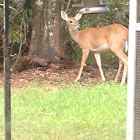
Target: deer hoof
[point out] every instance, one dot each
(121, 84)
(76, 80)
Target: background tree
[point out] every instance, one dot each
(45, 40)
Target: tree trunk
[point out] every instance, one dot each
(46, 35)
(45, 40)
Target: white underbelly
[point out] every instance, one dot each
(104, 47)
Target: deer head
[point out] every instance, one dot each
(72, 22)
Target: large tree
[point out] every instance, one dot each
(45, 40)
(45, 35)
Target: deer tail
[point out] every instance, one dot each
(126, 46)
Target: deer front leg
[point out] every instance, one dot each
(98, 60)
(84, 58)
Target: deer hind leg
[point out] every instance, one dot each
(84, 58)
(119, 70)
(124, 59)
(98, 60)
(124, 73)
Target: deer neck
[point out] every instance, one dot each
(75, 34)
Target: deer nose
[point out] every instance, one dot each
(78, 28)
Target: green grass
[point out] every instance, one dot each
(68, 113)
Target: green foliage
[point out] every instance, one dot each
(28, 4)
(20, 19)
(73, 50)
(97, 113)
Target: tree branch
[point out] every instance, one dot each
(9, 7)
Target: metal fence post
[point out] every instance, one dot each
(7, 72)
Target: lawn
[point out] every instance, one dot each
(72, 112)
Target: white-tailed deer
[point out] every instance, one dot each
(113, 37)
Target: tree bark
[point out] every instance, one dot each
(45, 40)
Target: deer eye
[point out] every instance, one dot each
(71, 21)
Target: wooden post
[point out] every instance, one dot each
(7, 72)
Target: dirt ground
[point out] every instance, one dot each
(56, 76)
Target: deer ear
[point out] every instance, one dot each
(64, 15)
(78, 16)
